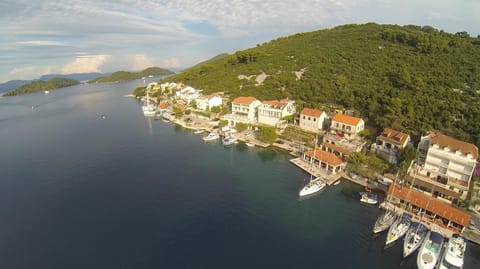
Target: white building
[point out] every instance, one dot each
(347, 125)
(312, 120)
(272, 112)
(187, 94)
(445, 166)
(389, 143)
(205, 102)
(244, 110)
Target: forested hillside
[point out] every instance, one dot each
(410, 78)
(40, 86)
(124, 75)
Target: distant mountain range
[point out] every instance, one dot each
(13, 84)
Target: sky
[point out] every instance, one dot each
(78, 36)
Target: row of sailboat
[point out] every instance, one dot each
(429, 243)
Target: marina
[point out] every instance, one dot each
(229, 203)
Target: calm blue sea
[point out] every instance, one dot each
(79, 191)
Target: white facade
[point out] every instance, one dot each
(447, 162)
(272, 112)
(312, 120)
(187, 94)
(244, 110)
(205, 102)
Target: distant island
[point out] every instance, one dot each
(124, 75)
(41, 86)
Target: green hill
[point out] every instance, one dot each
(40, 86)
(124, 75)
(410, 78)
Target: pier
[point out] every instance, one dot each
(329, 179)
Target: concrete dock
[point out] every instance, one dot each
(329, 179)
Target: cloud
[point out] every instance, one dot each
(85, 64)
(140, 62)
(171, 63)
(31, 72)
(40, 43)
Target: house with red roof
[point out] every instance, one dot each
(445, 166)
(433, 210)
(244, 110)
(389, 144)
(345, 125)
(312, 120)
(324, 160)
(273, 112)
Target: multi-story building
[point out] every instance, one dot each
(244, 110)
(273, 112)
(347, 125)
(389, 143)
(312, 120)
(445, 166)
(205, 102)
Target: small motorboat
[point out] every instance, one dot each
(368, 198)
(211, 137)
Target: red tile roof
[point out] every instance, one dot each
(337, 148)
(346, 119)
(324, 156)
(445, 141)
(244, 100)
(396, 137)
(311, 112)
(431, 204)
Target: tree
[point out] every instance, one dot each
(193, 103)
(216, 109)
(267, 134)
(241, 126)
(406, 156)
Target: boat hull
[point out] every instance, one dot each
(384, 221)
(312, 187)
(429, 252)
(414, 238)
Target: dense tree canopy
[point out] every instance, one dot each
(124, 75)
(40, 86)
(410, 78)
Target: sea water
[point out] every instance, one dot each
(86, 181)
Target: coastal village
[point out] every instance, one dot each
(434, 184)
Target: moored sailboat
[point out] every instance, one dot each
(398, 228)
(312, 187)
(429, 251)
(384, 221)
(414, 238)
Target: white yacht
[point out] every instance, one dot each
(453, 254)
(429, 252)
(211, 137)
(414, 238)
(199, 131)
(369, 198)
(398, 229)
(384, 221)
(228, 141)
(312, 187)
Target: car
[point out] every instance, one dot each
(279, 142)
(472, 224)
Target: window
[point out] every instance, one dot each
(314, 119)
